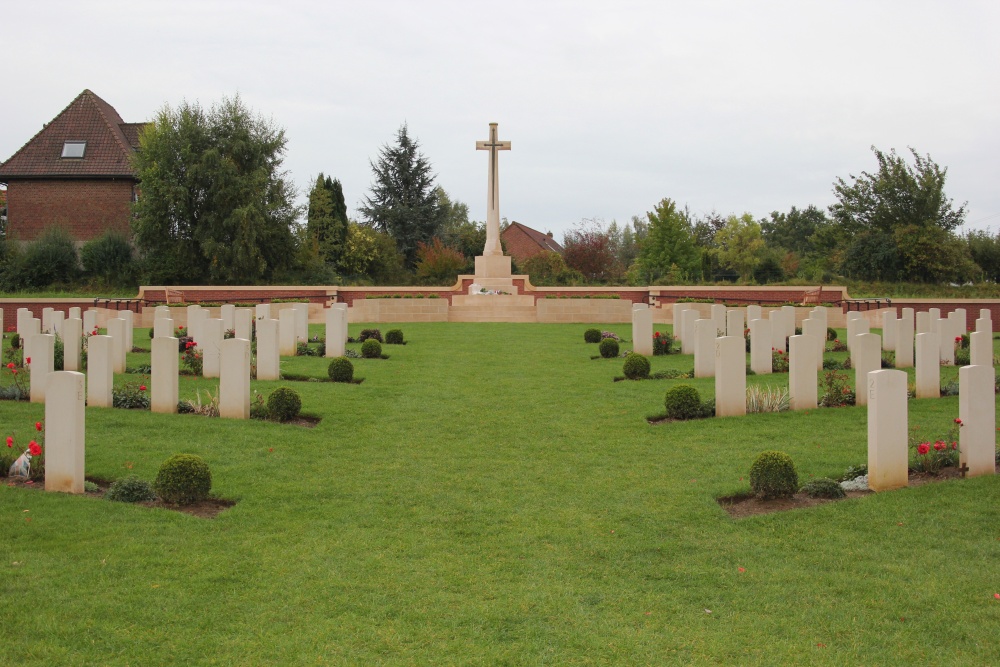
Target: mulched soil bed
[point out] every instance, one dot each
(744, 505)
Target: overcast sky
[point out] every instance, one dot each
(610, 106)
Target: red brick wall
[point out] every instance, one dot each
(85, 208)
(519, 245)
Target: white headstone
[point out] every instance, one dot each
(904, 342)
(679, 308)
(100, 371)
(75, 311)
(889, 330)
(730, 376)
(978, 412)
(959, 320)
(642, 329)
(301, 322)
(908, 314)
(946, 343)
(855, 327)
(754, 312)
(23, 317)
(778, 329)
(89, 321)
(228, 313)
(734, 323)
(262, 311)
(985, 325)
(887, 430)
(58, 318)
(234, 383)
(928, 362)
(719, 316)
(789, 314)
(129, 317)
(935, 313)
(194, 314)
(64, 432)
(865, 358)
(47, 314)
(242, 321)
(165, 366)
(815, 328)
(163, 327)
(286, 332)
(802, 391)
(704, 348)
(161, 312)
(760, 346)
(268, 362)
(821, 313)
(116, 329)
(72, 343)
(336, 330)
(42, 364)
(688, 318)
(33, 328)
(981, 348)
(986, 313)
(212, 335)
(923, 323)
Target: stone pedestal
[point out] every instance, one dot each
(730, 376)
(981, 348)
(642, 330)
(268, 361)
(64, 432)
(165, 364)
(904, 342)
(286, 332)
(977, 410)
(760, 346)
(42, 364)
(100, 371)
(865, 358)
(234, 383)
(887, 430)
(116, 329)
(72, 343)
(493, 273)
(211, 340)
(928, 375)
(242, 323)
(704, 348)
(802, 390)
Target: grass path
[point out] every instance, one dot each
(489, 496)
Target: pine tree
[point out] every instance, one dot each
(327, 219)
(403, 201)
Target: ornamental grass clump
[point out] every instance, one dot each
(609, 348)
(773, 475)
(131, 489)
(592, 336)
(371, 349)
(764, 398)
(682, 402)
(183, 479)
(284, 404)
(636, 366)
(340, 370)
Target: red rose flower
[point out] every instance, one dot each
(954, 445)
(11, 365)
(938, 446)
(958, 339)
(923, 448)
(10, 441)
(34, 449)
(958, 421)
(38, 426)
(142, 387)
(27, 360)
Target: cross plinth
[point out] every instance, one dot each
(493, 191)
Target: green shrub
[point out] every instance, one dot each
(51, 259)
(682, 402)
(831, 333)
(371, 349)
(773, 475)
(369, 333)
(183, 479)
(636, 366)
(394, 337)
(131, 489)
(963, 356)
(823, 487)
(59, 354)
(131, 395)
(853, 472)
(109, 258)
(341, 370)
(284, 403)
(609, 348)
(592, 336)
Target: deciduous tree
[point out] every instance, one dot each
(669, 242)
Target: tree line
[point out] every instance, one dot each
(216, 207)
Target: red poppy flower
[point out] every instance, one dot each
(142, 387)
(923, 448)
(34, 449)
(10, 441)
(38, 426)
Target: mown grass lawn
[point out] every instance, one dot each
(488, 496)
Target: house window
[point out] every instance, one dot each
(74, 148)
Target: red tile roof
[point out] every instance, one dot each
(543, 240)
(110, 144)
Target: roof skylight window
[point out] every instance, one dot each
(74, 149)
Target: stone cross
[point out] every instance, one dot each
(493, 192)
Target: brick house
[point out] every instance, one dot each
(76, 173)
(522, 242)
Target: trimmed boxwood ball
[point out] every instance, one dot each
(371, 349)
(284, 403)
(369, 333)
(183, 479)
(773, 475)
(682, 402)
(131, 489)
(636, 366)
(609, 348)
(394, 337)
(341, 370)
(831, 334)
(823, 487)
(592, 336)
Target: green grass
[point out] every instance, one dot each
(490, 496)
